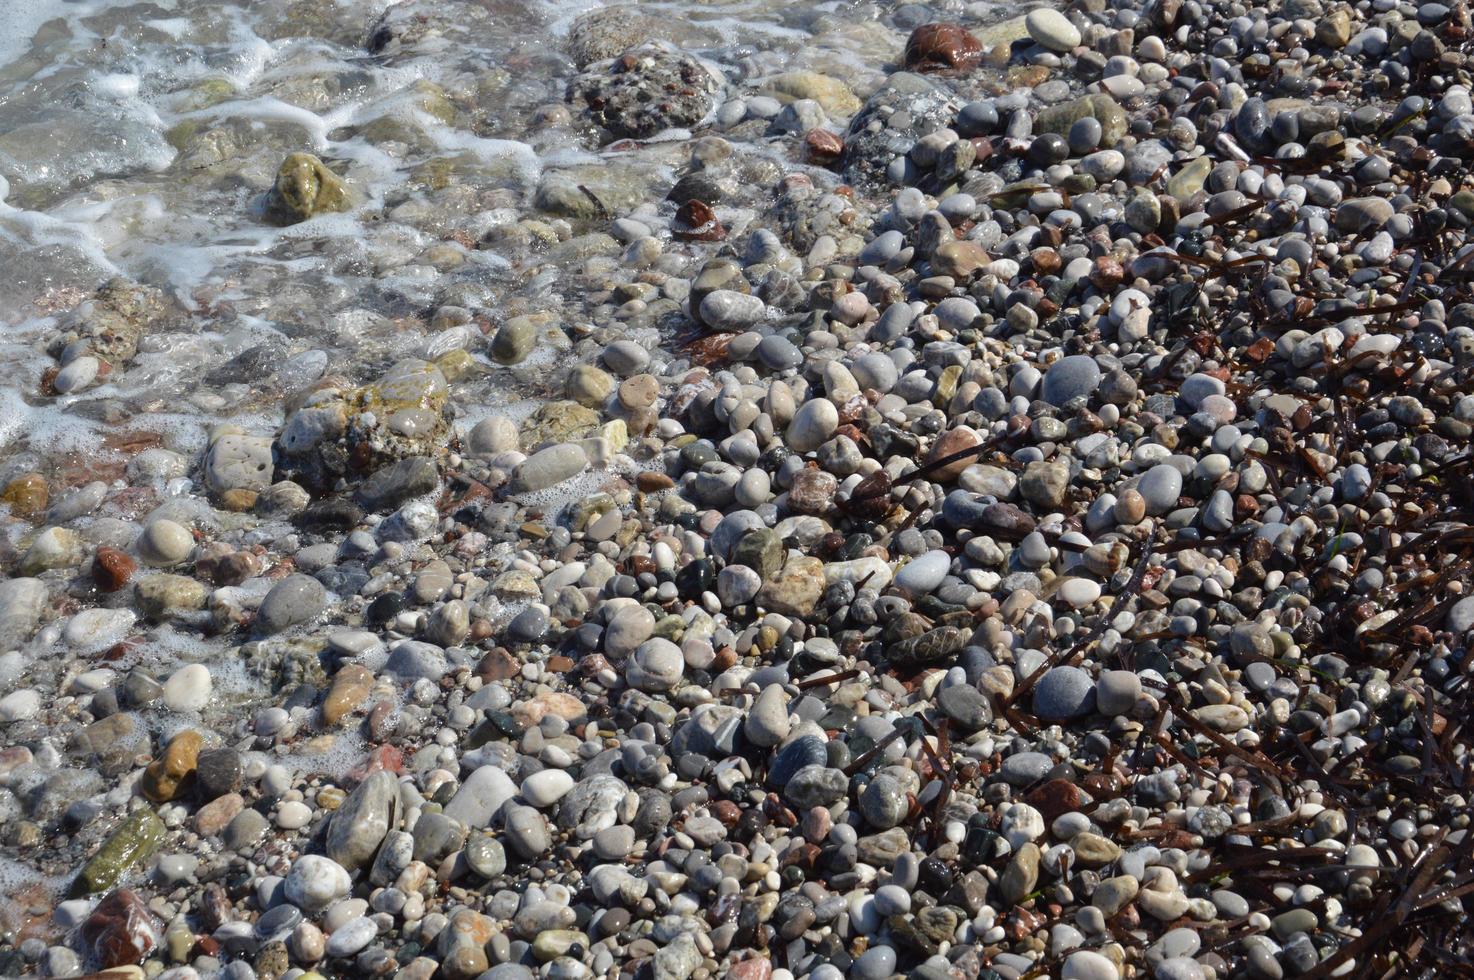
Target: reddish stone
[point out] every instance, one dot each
(560, 664)
(753, 969)
(1259, 350)
(950, 443)
(111, 569)
(942, 47)
(223, 565)
(822, 146)
(651, 482)
(812, 492)
(385, 758)
(1046, 261)
(1056, 797)
(727, 812)
(380, 721)
(1107, 273)
(710, 350)
(697, 222)
(498, 665)
(121, 931)
(853, 410)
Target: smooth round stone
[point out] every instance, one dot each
(892, 900)
(293, 815)
(1460, 616)
(1160, 487)
(315, 882)
(966, 705)
(78, 374)
(884, 802)
(527, 831)
(188, 688)
(1103, 165)
(1070, 377)
(876, 963)
(876, 371)
(548, 467)
(922, 575)
(351, 937)
(1196, 387)
(778, 354)
(1116, 691)
(813, 424)
(657, 665)
(20, 705)
(630, 626)
(1084, 135)
(277, 923)
(1052, 29)
(807, 750)
(767, 723)
(977, 119)
(1085, 964)
(165, 543)
(729, 310)
(292, 601)
(1079, 592)
(543, 789)
(626, 358)
(1064, 693)
(614, 843)
(1023, 768)
(492, 436)
(486, 856)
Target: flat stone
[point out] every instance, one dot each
(361, 822)
(1052, 29)
(548, 467)
(293, 601)
(1064, 693)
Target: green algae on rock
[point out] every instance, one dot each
(136, 838)
(304, 187)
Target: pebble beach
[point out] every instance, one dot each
(500, 490)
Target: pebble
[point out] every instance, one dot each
(1052, 29)
(293, 601)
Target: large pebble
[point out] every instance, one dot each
(294, 600)
(1052, 29)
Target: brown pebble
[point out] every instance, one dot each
(822, 146)
(214, 816)
(1130, 507)
(111, 569)
(1046, 261)
(652, 482)
(498, 665)
(351, 685)
(238, 501)
(168, 776)
(1107, 273)
(27, 495)
(949, 443)
(942, 47)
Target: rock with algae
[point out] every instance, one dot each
(304, 187)
(136, 838)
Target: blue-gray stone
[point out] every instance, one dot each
(806, 751)
(1064, 693)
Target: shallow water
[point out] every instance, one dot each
(139, 140)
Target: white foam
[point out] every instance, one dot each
(23, 18)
